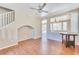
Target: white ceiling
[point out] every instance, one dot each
(56, 8)
(50, 7)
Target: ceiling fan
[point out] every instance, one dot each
(40, 8)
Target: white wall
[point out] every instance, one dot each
(8, 36)
(25, 33)
(74, 24)
(22, 17)
(74, 21)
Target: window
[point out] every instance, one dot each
(64, 26)
(55, 25)
(51, 27)
(52, 20)
(44, 27)
(44, 22)
(59, 23)
(59, 26)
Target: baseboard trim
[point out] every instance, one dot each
(14, 44)
(37, 37)
(24, 39)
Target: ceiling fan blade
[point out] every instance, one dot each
(44, 4)
(39, 10)
(36, 10)
(33, 8)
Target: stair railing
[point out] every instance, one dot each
(7, 18)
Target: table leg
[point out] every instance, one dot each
(74, 41)
(66, 41)
(68, 38)
(62, 38)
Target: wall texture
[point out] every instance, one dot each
(22, 17)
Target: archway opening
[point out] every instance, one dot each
(26, 32)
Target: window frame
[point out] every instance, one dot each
(44, 24)
(61, 21)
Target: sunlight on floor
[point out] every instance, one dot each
(44, 43)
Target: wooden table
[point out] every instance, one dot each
(68, 42)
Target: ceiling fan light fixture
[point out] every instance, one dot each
(40, 8)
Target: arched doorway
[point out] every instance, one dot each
(25, 32)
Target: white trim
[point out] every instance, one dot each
(24, 39)
(9, 45)
(17, 42)
(37, 37)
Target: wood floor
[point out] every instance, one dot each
(35, 47)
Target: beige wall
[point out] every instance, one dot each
(74, 24)
(74, 21)
(22, 17)
(8, 36)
